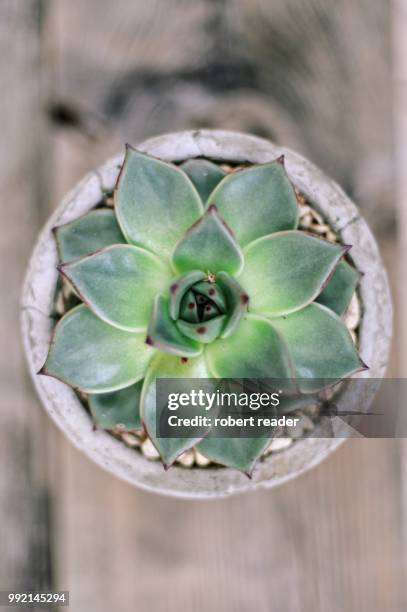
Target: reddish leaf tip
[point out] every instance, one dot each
(174, 287)
(244, 298)
(149, 341)
(184, 359)
(363, 366)
(42, 371)
(212, 208)
(201, 330)
(281, 160)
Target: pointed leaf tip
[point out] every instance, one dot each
(281, 159)
(212, 207)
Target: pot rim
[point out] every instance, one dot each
(60, 400)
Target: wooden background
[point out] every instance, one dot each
(78, 79)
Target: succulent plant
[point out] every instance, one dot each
(196, 273)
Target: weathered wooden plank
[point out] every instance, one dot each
(400, 124)
(305, 72)
(24, 495)
(309, 73)
(326, 542)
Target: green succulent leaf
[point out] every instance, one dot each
(205, 175)
(320, 346)
(239, 453)
(286, 271)
(91, 232)
(119, 284)
(179, 287)
(339, 290)
(95, 357)
(202, 332)
(164, 334)
(208, 245)
(168, 366)
(189, 310)
(117, 409)
(257, 201)
(155, 202)
(255, 350)
(237, 301)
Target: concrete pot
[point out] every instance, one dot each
(61, 402)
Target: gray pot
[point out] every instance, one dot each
(61, 402)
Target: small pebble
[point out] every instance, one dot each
(319, 228)
(200, 459)
(352, 314)
(67, 289)
(306, 221)
(304, 210)
(130, 439)
(186, 459)
(317, 217)
(330, 236)
(148, 449)
(279, 444)
(59, 304)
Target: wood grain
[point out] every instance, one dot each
(303, 71)
(400, 94)
(24, 493)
